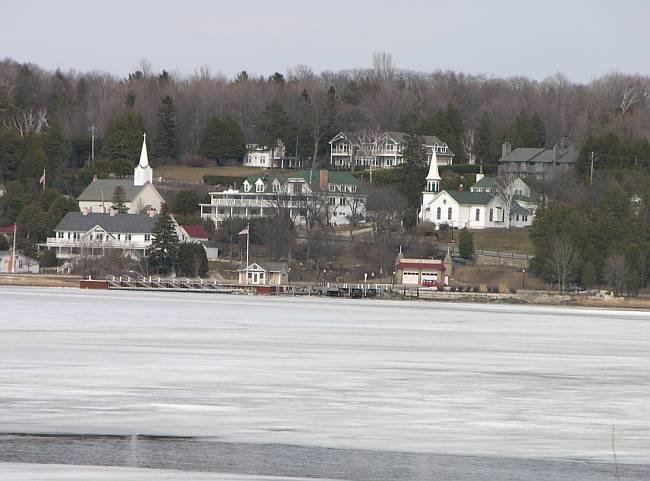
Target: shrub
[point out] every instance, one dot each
(466, 244)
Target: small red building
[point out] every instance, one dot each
(418, 271)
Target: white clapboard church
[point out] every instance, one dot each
(141, 196)
(468, 209)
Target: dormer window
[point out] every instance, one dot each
(247, 186)
(259, 187)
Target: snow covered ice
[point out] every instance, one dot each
(495, 380)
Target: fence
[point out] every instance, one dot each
(481, 252)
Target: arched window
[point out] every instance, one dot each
(478, 215)
(449, 213)
(438, 213)
(491, 215)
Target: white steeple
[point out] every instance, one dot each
(143, 172)
(433, 178)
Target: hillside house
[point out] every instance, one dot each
(336, 196)
(352, 151)
(140, 194)
(538, 162)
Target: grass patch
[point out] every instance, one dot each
(184, 173)
(506, 240)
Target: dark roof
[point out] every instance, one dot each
(401, 138)
(267, 266)
(474, 198)
(518, 209)
(102, 189)
(528, 154)
(334, 177)
(486, 182)
(421, 265)
(119, 223)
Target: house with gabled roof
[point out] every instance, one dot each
(264, 273)
(354, 150)
(337, 195)
(479, 208)
(538, 162)
(140, 195)
(79, 234)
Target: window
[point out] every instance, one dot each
(75, 235)
(127, 237)
(449, 213)
(438, 213)
(477, 215)
(147, 237)
(259, 187)
(100, 237)
(247, 187)
(59, 235)
(491, 215)
(276, 187)
(342, 202)
(119, 236)
(517, 217)
(332, 201)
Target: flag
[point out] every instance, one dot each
(42, 179)
(244, 232)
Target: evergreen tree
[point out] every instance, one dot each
(164, 246)
(186, 202)
(123, 139)
(330, 120)
(167, 147)
(57, 149)
(233, 144)
(34, 159)
(414, 151)
(34, 222)
(191, 260)
(589, 276)
(274, 123)
(456, 131)
(521, 130)
(119, 200)
(537, 134)
(11, 153)
(484, 139)
(466, 244)
(211, 141)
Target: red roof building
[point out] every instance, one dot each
(8, 230)
(196, 233)
(420, 271)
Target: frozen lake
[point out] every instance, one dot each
(422, 377)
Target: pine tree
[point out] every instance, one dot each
(414, 151)
(57, 149)
(233, 145)
(273, 124)
(537, 132)
(484, 139)
(34, 159)
(191, 260)
(330, 120)
(166, 141)
(211, 141)
(119, 200)
(164, 246)
(466, 244)
(123, 139)
(455, 132)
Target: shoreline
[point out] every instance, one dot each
(539, 298)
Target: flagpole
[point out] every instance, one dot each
(13, 256)
(248, 236)
(43, 179)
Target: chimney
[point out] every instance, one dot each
(112, 211)
(554, 152)
(324, 180)
(506, 148)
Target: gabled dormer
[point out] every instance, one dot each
(246, 186)
(259, 185)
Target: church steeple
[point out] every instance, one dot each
(433, 178)
(143, 172)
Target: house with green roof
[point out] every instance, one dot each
(479, 208)
(332, 197)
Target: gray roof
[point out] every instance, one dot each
(118, 223)
(518, 209)
(401, 138)
(267, 266)
(102, 189)
(528, 154)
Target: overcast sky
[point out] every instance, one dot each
(581, 38)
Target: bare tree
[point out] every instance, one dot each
(505, 189)
(369, 146)
(616, 273)
(382, 63)
(563, 259)
(469, 144)
(385, 209)
(29, 120)
(356, 202)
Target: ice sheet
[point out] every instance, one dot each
(420, 376)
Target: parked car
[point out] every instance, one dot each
(432, 283)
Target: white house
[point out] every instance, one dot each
(335, 195)
(264, 273)
(140, 193)
(477, 209)
(21, 265)
(385, 150)
(93, 234)
(264, 156)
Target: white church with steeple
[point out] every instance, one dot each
(471, 209)
(140, 195)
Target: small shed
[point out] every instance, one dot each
(22, 263)
(264, 273)
(418, 271)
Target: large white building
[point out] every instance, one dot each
(335, 195)
(480, 208)
(384, 150)
(140, 194)
(92, 234)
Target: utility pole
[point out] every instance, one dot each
(13, 255)
(591, 175)
(92, 143)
